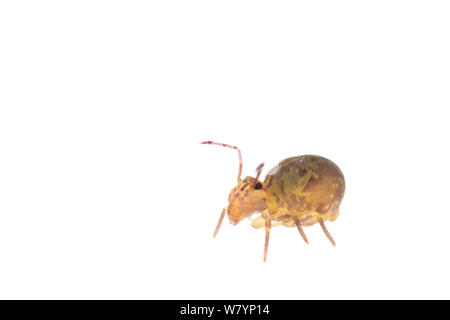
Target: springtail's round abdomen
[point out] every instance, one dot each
(307, 187)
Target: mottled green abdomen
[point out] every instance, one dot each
(307, 187)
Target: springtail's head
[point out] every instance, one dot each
(247, 197)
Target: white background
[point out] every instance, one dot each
(105, 191)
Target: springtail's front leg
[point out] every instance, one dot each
(268, 219)
(220, 222)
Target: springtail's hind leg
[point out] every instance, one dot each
(219, 223)
(266, 244)
(300, 229)
(322, 224)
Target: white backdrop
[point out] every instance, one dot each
(106, 193)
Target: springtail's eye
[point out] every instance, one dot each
(258, 186)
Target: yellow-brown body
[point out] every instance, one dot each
(307, 187)
(299, 191)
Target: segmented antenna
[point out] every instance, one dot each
(258, 171)
(232, 147)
